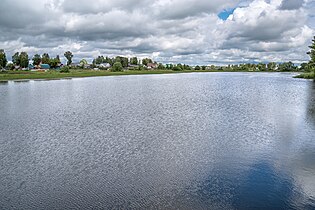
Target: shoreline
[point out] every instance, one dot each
(53, 75)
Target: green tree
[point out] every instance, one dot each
(83, 62)
(311, 53)
(161, 66)
(134, 61)
(54, 62)
(117, 67)
(69, 57)
(145, 61)
(16, 59)
(197, 68)
(3, 59)
(24, 60)
(45, 58)
(36, 59)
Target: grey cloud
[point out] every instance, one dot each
(291, 4)
(167, 30)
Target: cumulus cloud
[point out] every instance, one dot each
(166, 30)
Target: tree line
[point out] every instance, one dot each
(119, 63)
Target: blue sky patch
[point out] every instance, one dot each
(226, 13)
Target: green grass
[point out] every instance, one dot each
(24, 75)
(306, 75)
(49, 75)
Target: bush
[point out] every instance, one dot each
(65, 69)
(117, 67)
(176, 68)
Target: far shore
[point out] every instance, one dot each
(79, 73)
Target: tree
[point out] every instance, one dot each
(145, 61)
(83, 62)
(36, 59)
(117, 67)
(24, 60)
(161, 66)
(58, 58)
(311, 53)
(197, 68)
(3, 59)
(134, 61)
(69, 57)
(45, 58)
(53, 62)
(16, 59)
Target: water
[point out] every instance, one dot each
(184, 141)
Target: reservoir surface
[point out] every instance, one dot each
(175, 141)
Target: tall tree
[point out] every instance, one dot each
(58, 58)
(311, 53)
(36, 59)
(3, 59)
(134, 61)
(45, 58)
(16, 58)
(69, 57)
(24, 60)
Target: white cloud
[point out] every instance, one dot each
(168, 30)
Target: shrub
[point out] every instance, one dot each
(117, 67)
(65, 69)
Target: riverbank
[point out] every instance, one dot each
(22, 75)
(75, 73)
(306, 75)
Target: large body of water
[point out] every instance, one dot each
(184, 141)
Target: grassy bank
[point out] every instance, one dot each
(306, 75)
(25, 75)
(20, 75)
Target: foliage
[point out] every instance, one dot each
(69, 57)
(161, 66)
(16, 58)
(65, 69)
(134, 61)
(117, 67)
(197, 68)
(45, 58)
(177, 68)
(10, 66)
(24, 60)
(3, 59)
(36, 59)
(53, 62)
(145, 61)
(311, 53)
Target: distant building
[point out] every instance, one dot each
(152, 65)
(103, 65)
(44, 66)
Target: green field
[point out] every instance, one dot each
(52, 74)
(21, 75)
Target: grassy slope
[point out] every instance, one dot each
(20, 75)
(16, 75)
(306, 75)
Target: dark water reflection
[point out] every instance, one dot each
(192, 141)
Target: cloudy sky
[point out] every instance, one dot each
(186, 31)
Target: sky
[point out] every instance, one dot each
(194, 32)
